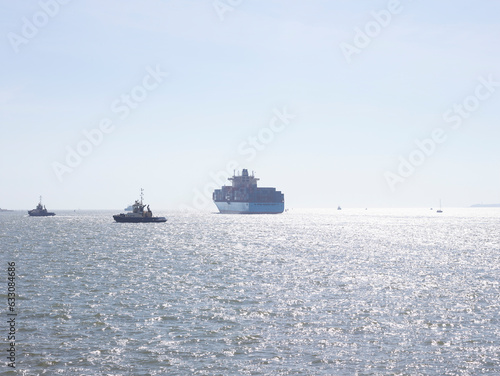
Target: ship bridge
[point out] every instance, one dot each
(244, 180)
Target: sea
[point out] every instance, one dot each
(307, 292)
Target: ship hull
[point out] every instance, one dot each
(125, 219)
(38, 214)
(250, 207)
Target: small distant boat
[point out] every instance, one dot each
(5, 210)
(439, 210)
(40, 211)
(339, 208)
(139, 215)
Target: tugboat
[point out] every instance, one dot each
(40, 211)
(139, 215)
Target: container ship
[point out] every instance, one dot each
(243, 197)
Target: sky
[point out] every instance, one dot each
(352, 103)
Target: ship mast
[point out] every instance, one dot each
(142, 194)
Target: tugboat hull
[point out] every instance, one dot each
(35, 214)
(124, 219)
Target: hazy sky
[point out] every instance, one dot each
(352, 103)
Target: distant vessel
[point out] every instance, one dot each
(339, 208)
(40, 211)
(243, 197)
(5, 210)
(138, 214)
(439, 210)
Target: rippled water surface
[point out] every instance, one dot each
(308, 292)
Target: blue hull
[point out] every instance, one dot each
(250, 207)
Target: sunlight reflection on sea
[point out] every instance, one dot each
(377, 291)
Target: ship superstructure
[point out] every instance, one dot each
(244, 197)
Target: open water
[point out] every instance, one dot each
(308, 292)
